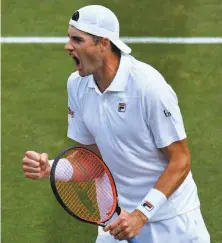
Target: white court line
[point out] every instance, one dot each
(129, 40)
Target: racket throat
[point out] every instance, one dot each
(102, 224)
(118, 210)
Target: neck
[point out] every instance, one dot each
(105, 75)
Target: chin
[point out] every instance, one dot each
(83, 74)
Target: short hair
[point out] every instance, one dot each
(114, 48)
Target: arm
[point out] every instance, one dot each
(77, 129)
(173, 176)
(164, 120)
(179, 166)
(93, 147)
(37, 165)
(166, 124)
(83, 169)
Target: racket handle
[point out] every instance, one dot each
(133, 240)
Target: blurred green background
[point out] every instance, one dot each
(34, 103)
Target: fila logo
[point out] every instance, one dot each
(148, 206)
(167, 113)
(71, 112)
(122, 107)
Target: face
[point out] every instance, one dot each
(87, 55)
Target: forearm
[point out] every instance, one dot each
(173, 176)
(76, 163)
(92, 147)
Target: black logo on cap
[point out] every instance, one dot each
(75, 16)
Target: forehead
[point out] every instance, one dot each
(72, 31)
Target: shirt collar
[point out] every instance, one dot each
(120, 80)
(91, 83)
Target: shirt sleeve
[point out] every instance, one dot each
(77, 129)
(163, 115)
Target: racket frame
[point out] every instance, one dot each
(53, 186)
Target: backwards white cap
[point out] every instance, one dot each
(100, 21)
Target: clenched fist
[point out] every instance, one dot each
(36, 165)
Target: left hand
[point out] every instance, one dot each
(127, 225)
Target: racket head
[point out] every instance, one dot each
(77, 170)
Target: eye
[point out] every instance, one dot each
(76, 39)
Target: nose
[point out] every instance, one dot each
(68, 46)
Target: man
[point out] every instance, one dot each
(124, 111)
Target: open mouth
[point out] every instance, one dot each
(77, 61)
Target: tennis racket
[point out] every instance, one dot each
(84, 186)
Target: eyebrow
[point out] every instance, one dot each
(76, 37)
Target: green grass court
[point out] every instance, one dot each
(34, 103)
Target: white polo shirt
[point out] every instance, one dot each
(136, 115)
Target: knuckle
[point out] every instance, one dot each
(111, 226)
(28, 153)
(35, 176)
(120, 236)
(33, 155)
(124, 224)
(44, 157)
(127, 231)
(27, 175)
(37, 164)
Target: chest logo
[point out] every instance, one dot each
(122, 107)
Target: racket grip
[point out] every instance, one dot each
(133, 240)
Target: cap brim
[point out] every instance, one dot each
(122, 46)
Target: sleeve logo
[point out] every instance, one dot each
(167, 113)
(70, 112)
(148, 206)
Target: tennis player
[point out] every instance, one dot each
(124, 110)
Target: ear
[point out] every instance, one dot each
(104, 45)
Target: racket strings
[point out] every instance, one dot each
(86, 188)
(78, 205)
(84, 205)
